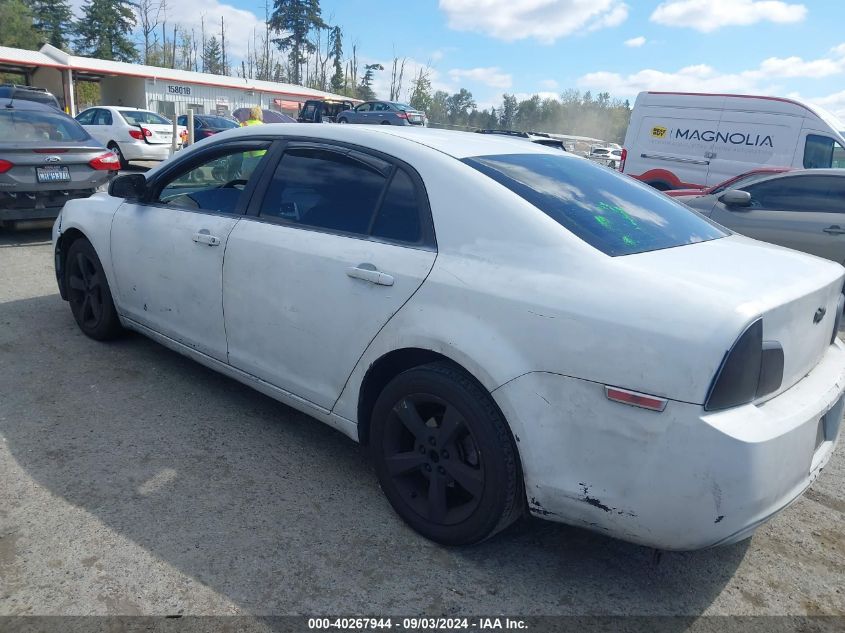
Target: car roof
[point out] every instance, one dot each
(24, 104)
(450, 142)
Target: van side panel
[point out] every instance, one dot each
(748, 140)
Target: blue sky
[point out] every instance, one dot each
(525, 46)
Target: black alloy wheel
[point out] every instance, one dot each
(88, 292)
(445, 457)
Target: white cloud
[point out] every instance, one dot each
(709, 15)
(493, 76)
(240, 24)
(543, 20)
(835, 103)
(635, 42)
(549, 84)
(705, 78)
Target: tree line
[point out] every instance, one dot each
(297, 45)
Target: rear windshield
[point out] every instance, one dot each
(219, 123)
(142, 117)
(403, 107)
(30, 126)
(609, 211)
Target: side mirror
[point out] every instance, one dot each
(736, 198)
(130, 186)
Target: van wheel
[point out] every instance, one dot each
(445, 457)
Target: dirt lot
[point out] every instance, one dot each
(136, 481)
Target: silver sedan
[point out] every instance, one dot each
(383, 113)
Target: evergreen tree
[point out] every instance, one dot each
(338, 80)
(16, 25)
(212, 57)
(52, 20)
(365, 90)
(296, 19)
(104, 30)
(508, 112)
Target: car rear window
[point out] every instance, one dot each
(612, 213)
(142, 117)
(31, 126)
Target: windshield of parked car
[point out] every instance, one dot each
(609, 211)
(30, 126)
(142, 117)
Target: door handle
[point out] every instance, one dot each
(368, 272)
(204, 237)
(834, 230)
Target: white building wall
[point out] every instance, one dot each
(172, 99)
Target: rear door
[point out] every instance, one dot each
(804, 212)
(167, 250)
(339, 241)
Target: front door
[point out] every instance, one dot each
(338, 243)
(171, 245)
(805, 212)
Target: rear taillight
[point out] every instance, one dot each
(402, 115)
(140, 134)
(5, 166)
(623, 159)
(750, 370)
(105, 162)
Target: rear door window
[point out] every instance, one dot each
(607, 210)
(824, 194)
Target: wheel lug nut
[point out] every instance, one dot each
(422, 449)
(444, 454)
(432, 441)
(428, 468)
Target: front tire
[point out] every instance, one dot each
(445, 457)
(89, 294)
(342, 121)
(114, 147)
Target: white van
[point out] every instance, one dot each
(678, 140)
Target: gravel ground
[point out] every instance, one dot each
(135, 481)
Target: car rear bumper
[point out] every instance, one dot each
(38, 205)
(145, 151)
(680, 479)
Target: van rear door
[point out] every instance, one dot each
(747, 140)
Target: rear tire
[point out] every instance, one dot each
(445, 457)
(385, 122)
(89, 294)
(114, 147)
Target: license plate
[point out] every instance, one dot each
(52, 173)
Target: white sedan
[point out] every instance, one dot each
(508, 328)
(131, 133)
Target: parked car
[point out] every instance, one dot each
(383, 113)
(535, 137)
(506, 326)
(29, 93)
(323, 110)
(46, 159)
(804, 210)
(688, 141)
(737, 182)
(606, 156)
(206, 125)
(132, 134)
(270, 116)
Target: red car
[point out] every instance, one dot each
(731, 183)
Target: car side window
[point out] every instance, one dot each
(800, 194)
(364, 107)
(87, 117)
(324, 189)
(103, 118)
(822, 152)
(399, 216)
(382, 107)
(215, 184)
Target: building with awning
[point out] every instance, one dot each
(168, 91)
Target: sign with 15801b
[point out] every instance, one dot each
(179, 90)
